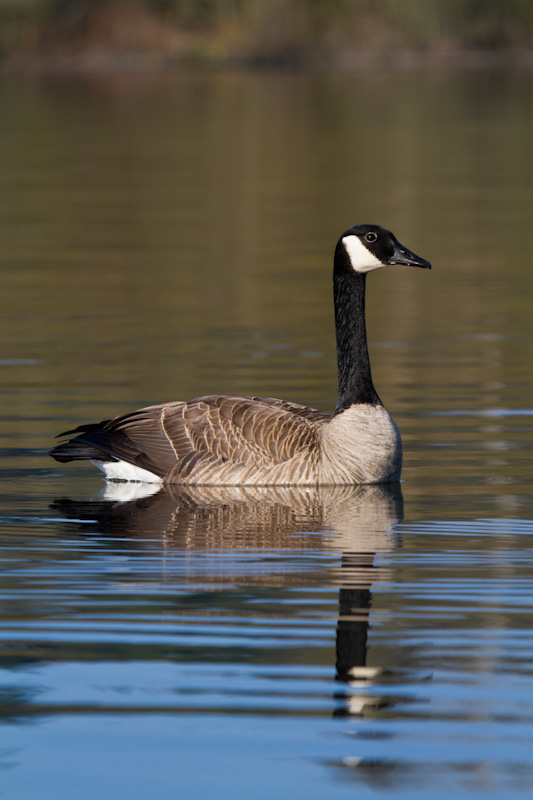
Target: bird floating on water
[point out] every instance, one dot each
(224, 440)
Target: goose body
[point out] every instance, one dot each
(225, 440)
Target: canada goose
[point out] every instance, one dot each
(223, 440)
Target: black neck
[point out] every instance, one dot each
(355, 377)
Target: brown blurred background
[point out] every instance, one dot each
(332, 33)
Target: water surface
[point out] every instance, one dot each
(166, 237)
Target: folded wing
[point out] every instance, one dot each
(209, 439)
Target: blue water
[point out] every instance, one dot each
(162, 641)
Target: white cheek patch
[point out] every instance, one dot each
(362, 260)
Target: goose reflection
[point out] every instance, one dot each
(354, 519)
(358, 521)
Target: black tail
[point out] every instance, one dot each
(102, 442)
(74, 450)
(78, 448)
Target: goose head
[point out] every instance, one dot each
(363, 248)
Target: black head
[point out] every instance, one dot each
(369, 247)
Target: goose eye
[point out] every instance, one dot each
(371, 236)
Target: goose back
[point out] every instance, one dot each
(216, 439)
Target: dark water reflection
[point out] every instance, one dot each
(164, 237)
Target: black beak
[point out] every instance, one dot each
(402, 255)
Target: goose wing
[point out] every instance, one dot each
(177, 441)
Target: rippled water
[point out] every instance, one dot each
(167, 237)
